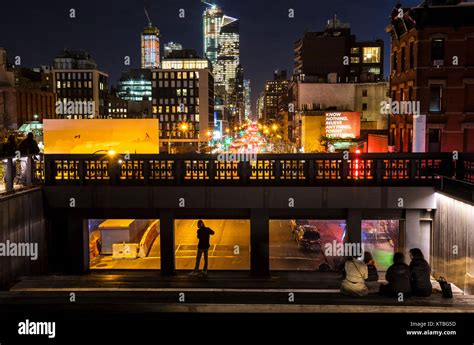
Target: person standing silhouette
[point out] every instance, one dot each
(203, 234)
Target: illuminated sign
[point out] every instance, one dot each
(342, 125)
(123, 136)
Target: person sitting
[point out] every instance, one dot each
(398, 278)
(373, 275)
(419, 274)
(355, 276)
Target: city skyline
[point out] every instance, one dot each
(276, 53)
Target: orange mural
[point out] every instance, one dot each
(101, 136)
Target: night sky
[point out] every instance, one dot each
(110, 29)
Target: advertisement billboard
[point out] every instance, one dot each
(135, 136)
(342, 125)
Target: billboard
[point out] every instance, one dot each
(342, 125)
(101, 135)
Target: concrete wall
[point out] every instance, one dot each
(453, 242)
(346, 97)
(22, 221)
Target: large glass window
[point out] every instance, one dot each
(124, 243)
(371, 54)
(306, 245)
(380, 238)
(229, 246)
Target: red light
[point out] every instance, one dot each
(357, 151)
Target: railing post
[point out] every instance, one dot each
(344, 170)
(277, 169)
(310, 171)
(81, 171)
(114, 171)
(146, 171)
(48, 171)
(379, 171)
(178, 171)
(412, 169)
(29, 171)
(244, 172)
(9, 175)
(211, 170)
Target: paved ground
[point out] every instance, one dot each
(230, 248)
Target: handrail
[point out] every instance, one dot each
(313, 169)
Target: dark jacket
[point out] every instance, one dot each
(204, 234)
(398, 277)
(9, 149)
(420, 277)
(373, 274)
(29, 147)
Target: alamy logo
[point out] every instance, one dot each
(343, 249)
(237, 157)
(19, 249)
(399, 107)
(75, 107)
(37, 328)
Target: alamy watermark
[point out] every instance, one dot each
(236, 157)
(399, 107)
(13, 249)
(346, 249)
(75, 107)
(28, 327)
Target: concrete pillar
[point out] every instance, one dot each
(77, 257)
(414, 238)
(168, 262)
(259, 242)
(354, 226)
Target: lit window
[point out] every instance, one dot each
(436, 98)
(371, 54)
(355, 50)
(355, 59)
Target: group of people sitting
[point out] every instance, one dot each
(409, 280)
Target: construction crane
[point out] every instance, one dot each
(145, 5)
(208, 4)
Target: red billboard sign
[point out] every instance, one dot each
(342, 125)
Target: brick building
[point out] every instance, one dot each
(432, 62)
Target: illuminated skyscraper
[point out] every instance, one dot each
(212, 20)
(150, 47)
(228, 55)
(247, 98)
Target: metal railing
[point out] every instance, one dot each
(387, 169)
(267, 169)
(20, 172)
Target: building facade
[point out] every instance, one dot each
(312, 100)
(135, 85)
(183, 101)
(150, 47)
(275, 95)
(212, 21)
(334, 55)
(247, 98)
(170, 47)
(81, 89)
(432, 64)
(26, 95)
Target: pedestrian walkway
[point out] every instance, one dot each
(220, 292)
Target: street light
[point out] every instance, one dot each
(183, 127)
